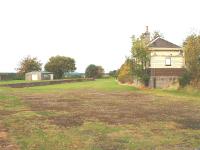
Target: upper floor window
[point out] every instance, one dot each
(168, 61)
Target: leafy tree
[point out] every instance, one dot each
(192, 57)
(141, 58)
(28, 64)
(156, 34)
(125, 74)
(93, 71)
(59, 65)
(113, 73)
(100, 71)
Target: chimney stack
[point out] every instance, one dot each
(147, 35)
(147, 29)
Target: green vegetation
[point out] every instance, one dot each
(93, 71)
(192, 57)
(28, 64)
(99, 84)
(141, 57)
(113, 73)
(12, 81)
(20, 81)
(125, 74)
(99, 115)
(59, 65)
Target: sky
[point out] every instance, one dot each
(90, 31)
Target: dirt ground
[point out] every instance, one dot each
(5, 144)
(113, 108)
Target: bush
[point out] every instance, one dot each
(126, 72)
(113, 73)
(185, 79)
(145, 78)
(125, 79)
(93, 71)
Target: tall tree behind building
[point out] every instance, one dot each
(192, 57)
(141, 58)
(59, 65)
(28, 64)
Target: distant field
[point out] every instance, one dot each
(98, 115)
(12, 81)
(15, 81)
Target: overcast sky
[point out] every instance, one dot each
(90, 31)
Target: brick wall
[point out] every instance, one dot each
(166, 71)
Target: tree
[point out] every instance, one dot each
(141, 58)
(156, 34)
(125, 74)
(59, 65)
(191, 48)
(100, 71)
(113, 73)
(93, 71)
(28, 64)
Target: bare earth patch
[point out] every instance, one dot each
(5, 144)
(113, 108)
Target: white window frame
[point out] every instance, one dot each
(168, 61)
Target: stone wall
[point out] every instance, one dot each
(162, 81)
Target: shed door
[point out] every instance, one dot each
(34, 77)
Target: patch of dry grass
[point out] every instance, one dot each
(95, 119)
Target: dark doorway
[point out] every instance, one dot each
(154, 82)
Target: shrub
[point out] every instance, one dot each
(126, 72)
(185, 79)
(93, 71)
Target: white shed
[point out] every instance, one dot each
(39, 75)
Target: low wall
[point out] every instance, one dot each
(162, 81)
(42, 83)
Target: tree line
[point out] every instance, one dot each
(58, 65)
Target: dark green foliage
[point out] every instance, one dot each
(11, 76)
(113, 73)
(93, 71)
(59, 65)
(29, 64)
(185, 79)
(71, 75)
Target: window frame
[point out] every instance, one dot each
(166, 61)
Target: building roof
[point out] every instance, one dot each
(162, 43)
(44, 72)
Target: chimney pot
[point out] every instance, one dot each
(147, 29)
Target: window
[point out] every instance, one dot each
(168, 61)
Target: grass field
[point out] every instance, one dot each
(98, 115)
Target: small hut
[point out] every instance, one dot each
(38, 75)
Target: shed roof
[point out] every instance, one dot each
(44, 72)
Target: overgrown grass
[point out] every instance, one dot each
(99, 84)
(12, 81)
(18, 81)
(34, 129)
